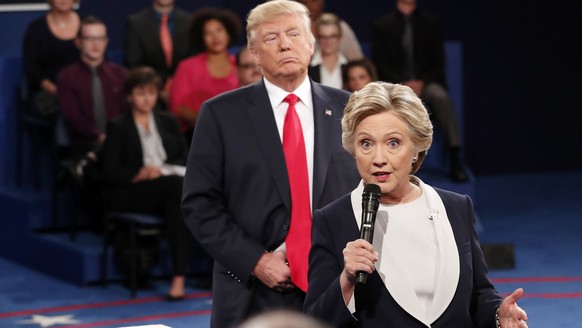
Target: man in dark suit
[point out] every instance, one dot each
(143, 39)
(238, 190)
(408, 48)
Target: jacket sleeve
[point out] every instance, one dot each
(118, 170)
(204, 201)
(484, 299)
(324, 298)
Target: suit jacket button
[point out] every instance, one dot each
(285, 227)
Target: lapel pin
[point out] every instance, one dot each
(328, 112)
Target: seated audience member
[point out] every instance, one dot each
(247, 70)
(143, 161)
(408, 48)
(48, 46)
(90, 91)
(424, 266)
(327, 61)
(349, 44)
(157, 36)
(357, 73)
(209, 73)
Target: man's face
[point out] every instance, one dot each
(282, 48)
(248, 71)
(406, 7)
(163, 3)
(93, 42)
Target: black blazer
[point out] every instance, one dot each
(143, 46)
(236, 197)
(474, 302)
(428, 44)
(314, 73)
(122, 155)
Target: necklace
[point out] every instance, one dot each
(61, 24)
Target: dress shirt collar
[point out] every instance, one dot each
(276, 94)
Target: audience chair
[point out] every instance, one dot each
(137, 226)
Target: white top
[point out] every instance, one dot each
(330, 78)
(419, 260)
(409, 229)
(151, 143)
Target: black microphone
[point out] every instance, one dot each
(370, 203)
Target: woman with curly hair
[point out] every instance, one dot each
(211, 71)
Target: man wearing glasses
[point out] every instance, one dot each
(90, 91)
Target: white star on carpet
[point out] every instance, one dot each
(46, 321)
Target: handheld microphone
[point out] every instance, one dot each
(370, 203)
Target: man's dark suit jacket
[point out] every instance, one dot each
(474, 302)
(428, 45)
(236, 197)
(122, 154)
(142, 41)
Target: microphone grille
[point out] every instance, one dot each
(372, 188)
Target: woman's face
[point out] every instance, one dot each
(143, 98)
(384, 150)
(358, 77)
(215, 36)
(61, 5)
(328, 37)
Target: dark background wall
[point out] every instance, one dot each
(521, 70)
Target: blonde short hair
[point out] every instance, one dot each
(50, 2)
(267, 12)
(401, 101)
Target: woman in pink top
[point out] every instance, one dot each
(209, 73)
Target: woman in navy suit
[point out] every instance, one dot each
(425, 267)
(142, 158)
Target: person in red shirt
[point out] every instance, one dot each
(209, 73)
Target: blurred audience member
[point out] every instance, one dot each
(90, 91)
(143, 163)
(49, 45)
(408, 48)
(209, 73)
(349, 44)
(248, 70)
(357, 73)
(327, 61)
(157, 36)
(282, 319)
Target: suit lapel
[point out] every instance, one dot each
(151, 29)
(261, 116)
(323, 118)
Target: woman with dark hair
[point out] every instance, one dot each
(357, 73)
(48, 46)
(142, 158)
(211, 71)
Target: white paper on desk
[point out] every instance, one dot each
(148, 326)
(171, 169)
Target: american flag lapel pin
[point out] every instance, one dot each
(328, 112)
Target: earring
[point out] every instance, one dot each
(414, 159)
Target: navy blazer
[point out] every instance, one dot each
(236, 198)
(474, 302)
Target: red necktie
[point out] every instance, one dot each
(166, 40)
(298, 241)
